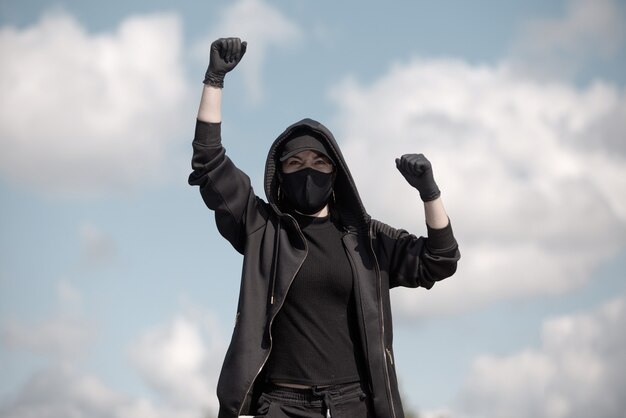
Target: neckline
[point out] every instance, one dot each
(312, 221)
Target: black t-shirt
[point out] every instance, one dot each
(315, 334)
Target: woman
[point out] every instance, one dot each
(313, 334)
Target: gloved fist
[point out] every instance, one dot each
(224, 56)
(417, 170)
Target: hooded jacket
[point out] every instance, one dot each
(274, 248)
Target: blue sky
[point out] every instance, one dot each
(117, 294)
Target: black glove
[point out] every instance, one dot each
(225, 55)
(417, 170)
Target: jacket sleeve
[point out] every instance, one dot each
(224, 188)
(417, 261)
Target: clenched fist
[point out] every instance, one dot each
(418, 171)
(225, 55)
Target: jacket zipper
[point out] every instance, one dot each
(382, 323)
(389, 354)
(354, 270)
(275, 261)
(306, 253)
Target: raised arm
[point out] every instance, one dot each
(224, 188)
(416, 261)
(418, 172)
(224, 56)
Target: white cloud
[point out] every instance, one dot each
(588, 31)
(532, 178)
(63, 391)
(59, 337)
(89, 113)
(263, 27)
(180, 360)
(64, 335)
(176, 361)
(579, 371)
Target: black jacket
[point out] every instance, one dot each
(274, 249)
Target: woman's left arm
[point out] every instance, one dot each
(419, 261)
(418, 172)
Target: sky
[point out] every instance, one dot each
(117, 293)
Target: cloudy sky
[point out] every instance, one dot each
(117, 294)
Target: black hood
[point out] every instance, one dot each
(347, 200)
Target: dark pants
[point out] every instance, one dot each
(340, 401)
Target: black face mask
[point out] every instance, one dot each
(307, 190)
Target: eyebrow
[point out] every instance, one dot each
(324, 158)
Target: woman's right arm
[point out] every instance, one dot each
(224, 55)
(224, 188)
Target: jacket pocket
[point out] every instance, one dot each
(261, 409)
